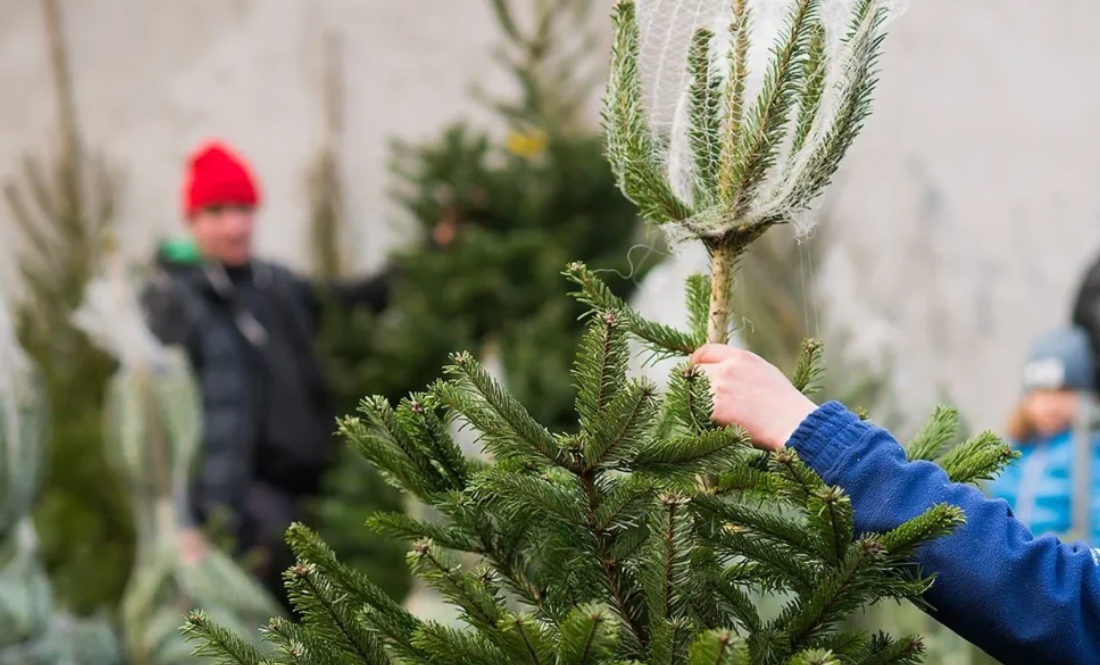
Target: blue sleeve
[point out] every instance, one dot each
(1022, 599)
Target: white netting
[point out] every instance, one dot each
(20, 420)
(111, 316)
(13, 360)
(666, 28)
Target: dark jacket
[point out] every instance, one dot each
(267, 415)
(1025, 600)
(1086, 308)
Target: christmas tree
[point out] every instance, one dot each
(61, 206)
(495, 217)
(638, 534)
(33, 629)
(494, 220)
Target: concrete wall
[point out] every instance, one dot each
(967, 208)
(153, 77)
(970, 206)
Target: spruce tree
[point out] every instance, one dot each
(34, 628)
(61, 204)
(637, 535)
(519, 200)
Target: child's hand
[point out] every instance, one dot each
(752, 393)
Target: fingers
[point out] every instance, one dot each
(711, 372)
(713, 353)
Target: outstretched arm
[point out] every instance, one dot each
(1022, 599)
(372, 292)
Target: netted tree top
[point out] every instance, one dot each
(728, 115)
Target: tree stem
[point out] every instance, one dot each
(723, 260)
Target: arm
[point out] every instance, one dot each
(372, 292)
(1020, 598)
(170, 316)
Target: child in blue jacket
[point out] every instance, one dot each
(1025, 600)
(1039, 487)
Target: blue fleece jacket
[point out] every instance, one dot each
(1022, 599)
(1039, 486)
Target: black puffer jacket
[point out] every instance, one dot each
(267, 416)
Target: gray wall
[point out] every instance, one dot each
(153, 77)
(967, 209)
(970, 205)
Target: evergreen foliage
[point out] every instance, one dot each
(33, 629)
(154, 425)
(637, 533)
(776, 312)
(520, 204)
(600, 546)
(61, 206)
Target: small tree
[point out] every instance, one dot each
(600, 545)
(61, 208)
(32, 628)
(516, 208)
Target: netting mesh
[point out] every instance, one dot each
(22, 427)
(111, 316)
(798, 114)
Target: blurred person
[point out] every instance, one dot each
(1086, 309)
(1022, 599)
(1049, 428)
(248, 327)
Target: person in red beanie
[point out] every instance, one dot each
(220, 196)
(248, 328)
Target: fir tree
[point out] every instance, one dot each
(599, 544)
(516, 208)
(34, 630)
(61, 206)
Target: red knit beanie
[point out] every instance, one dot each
(217, 176)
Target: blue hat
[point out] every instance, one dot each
(1061, 360)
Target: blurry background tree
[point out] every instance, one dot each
(33, 630)
(496, 215)
(61, 207)
(381, 558)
